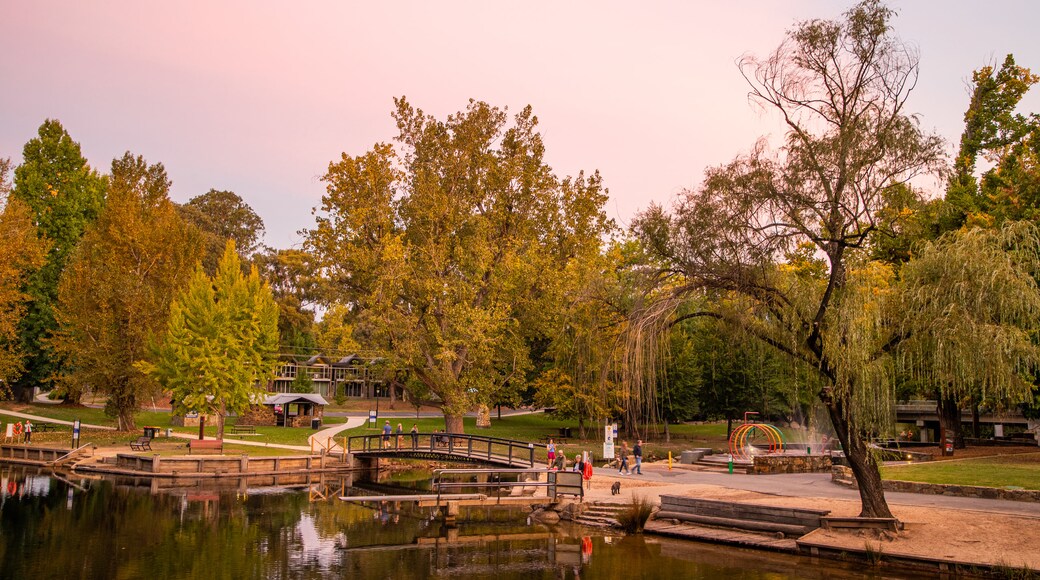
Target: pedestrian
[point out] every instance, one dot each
(623, 465)
(387, 429)
(586, 473)
(28, 431)
(551, 448)
(637, 452)
(415, 436)
(579, 463)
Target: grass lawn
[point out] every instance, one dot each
(1020, 470)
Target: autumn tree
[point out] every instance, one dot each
(64, 196)
(448, 245)
(21, 252)
(116, 292)
(840, 87)
(220, 344)
(291, 275)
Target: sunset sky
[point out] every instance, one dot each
(259, 97)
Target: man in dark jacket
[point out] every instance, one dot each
(637, 451)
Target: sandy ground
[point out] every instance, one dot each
(956, 535)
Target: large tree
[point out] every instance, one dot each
(840, 87)
(448, 247)
(65, 196)
(116, 291)
(220, 347)
(222, 216)
(21, 252)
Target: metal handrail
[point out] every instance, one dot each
(551, 481)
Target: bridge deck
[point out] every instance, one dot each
(446, 447)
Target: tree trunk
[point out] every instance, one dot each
(861, 461)
(667, 435)
(729, 427)
(393, 393)
(453, 423)
(975, 420)
(949, 412)
(483, 416)
(221, 417)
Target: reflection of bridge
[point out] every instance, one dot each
(445, 447)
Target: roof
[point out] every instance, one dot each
(347, 360)
(286, 398)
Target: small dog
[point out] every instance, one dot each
(616, 488)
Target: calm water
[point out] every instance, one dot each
(70, 527)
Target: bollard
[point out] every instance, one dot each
(731, 463)
(669, 461)
(808, 450)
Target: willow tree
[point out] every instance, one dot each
(970, 305)
(448, 247)
(115, 294)
(840, 88)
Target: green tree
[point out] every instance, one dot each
(840, 87)
(220, 347)
(115, 293)
(448, 248)
(21, 252)
(993, 129)
(223, 216)
(65, 196)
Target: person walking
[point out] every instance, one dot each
(387, 429)
(28, 431)
(415, 436)
(637, 452)
(623, 465)
(400, 434)
(551, 448)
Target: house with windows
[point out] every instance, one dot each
(354, 375)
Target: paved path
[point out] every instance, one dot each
(40, 419)
(815, 485)
(321, 437)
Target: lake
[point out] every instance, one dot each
(69, 526)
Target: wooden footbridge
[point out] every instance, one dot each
(457, 447)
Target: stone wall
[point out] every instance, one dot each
(770, 464)
(843, 475)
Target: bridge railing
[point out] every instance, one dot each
(477, 447)
(556, 482)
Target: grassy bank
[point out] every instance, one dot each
(1019, 470)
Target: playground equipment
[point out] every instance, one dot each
(746, 435)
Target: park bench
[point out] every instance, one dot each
(214, 444)
(44, 427)
(141, 444)
(555, 438)
(243, 429)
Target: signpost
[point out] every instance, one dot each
(372, 418)
(609, 434)
(75, 434)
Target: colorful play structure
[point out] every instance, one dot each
(748, 434)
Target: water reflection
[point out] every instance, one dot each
(81, 527)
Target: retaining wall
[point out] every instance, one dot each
(769, 464)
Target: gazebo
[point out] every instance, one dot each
(296, 409)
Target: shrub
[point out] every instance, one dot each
(633, 517)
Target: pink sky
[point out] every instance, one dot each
(258, 97)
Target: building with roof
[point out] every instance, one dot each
(352, 376)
